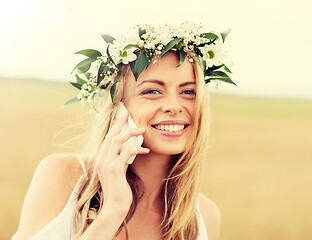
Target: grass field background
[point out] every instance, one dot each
(259, 169)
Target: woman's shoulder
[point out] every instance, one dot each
(211, 215)
(59, 170)
(52, 184)
(64, 164)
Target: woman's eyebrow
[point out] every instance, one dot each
(152, 81)
(163, 84)
(187, 83)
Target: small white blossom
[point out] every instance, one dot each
(187, 31)
(129, 58)
(140, 43)
(79, 96)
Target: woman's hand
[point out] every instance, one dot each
(112, 166)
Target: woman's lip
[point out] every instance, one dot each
(172, 122)
(171, 134)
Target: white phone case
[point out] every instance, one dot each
(133, 141)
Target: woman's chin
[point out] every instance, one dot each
(169, 149)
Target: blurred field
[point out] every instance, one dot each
(258, 171)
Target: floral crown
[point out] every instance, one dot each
(99, 71)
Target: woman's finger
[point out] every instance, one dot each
(115, 129)
(121, 138)
(129, 152)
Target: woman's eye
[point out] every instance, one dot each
(151, 91)
(189, 92)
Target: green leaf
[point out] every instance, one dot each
(211, 69)
(227, 69)
(225, 33)
(76, 85)
(73, 100)
(141, 32)
(182, 55)
(169, 46)
(101, 73)
(84, 68)
(87, 74)
(107, 38)
(140, 64)
(113, 91)
(223, 79)
(210, 36)
(80, 80)
(85, 64)
(130, 46)
(91, 53)
(132, 64)
(220, 74)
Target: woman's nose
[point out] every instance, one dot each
(172, 106)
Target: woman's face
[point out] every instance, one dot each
(162, 101)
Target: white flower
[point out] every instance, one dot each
(133, 37)
(164, 35)
(187, 31)
(213, 54)
(141, 43)
(149, 45)
(115, 48)
(129, 58)
(128, 55)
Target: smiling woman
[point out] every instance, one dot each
(97, 194)
(172, 92)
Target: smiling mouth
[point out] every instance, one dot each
(171, 127)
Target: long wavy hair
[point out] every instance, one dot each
(181, 186)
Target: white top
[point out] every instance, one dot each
(62, 227)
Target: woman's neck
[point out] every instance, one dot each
(152, 170)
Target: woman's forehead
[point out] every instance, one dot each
(167, 70)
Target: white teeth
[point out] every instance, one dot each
(170, 128)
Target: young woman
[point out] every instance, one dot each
(97, 194)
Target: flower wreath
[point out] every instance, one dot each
(98, 72)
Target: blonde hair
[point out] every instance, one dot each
(181, 187)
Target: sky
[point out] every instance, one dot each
(270, 42)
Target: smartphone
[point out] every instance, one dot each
(133, 141)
